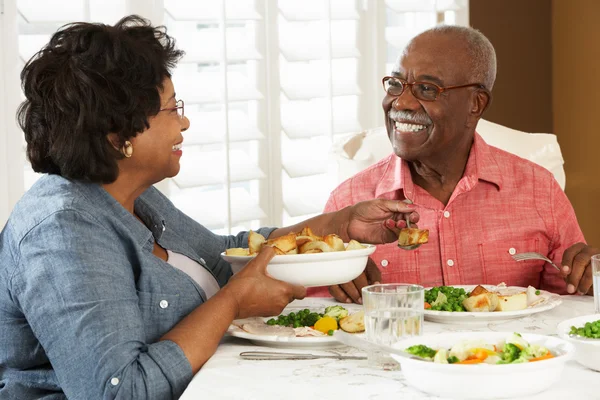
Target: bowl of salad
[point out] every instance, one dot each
(584, 333)
(484, 365)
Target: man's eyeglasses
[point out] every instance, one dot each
(178, 107)
(421, 90)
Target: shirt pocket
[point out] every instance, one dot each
(160, 312)
(499, 266)
(397, 265)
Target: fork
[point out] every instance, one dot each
(534, 256)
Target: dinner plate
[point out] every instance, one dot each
(312, 342)
(449, 317)
(309, 270)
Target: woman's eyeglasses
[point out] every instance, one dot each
(421, 90)
(178, 106)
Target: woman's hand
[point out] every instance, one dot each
(376, 221)
(256, 293)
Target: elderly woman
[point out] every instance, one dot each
(106, 289)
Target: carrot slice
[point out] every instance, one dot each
(471, 361)
(545, 357)
(427, 305)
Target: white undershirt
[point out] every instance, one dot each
(195, 271)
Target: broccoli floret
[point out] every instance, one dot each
(440, 300)
(453, 359)
(421, 351)
(532, 351)
(337, 312)
(510, 353)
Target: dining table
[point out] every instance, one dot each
(227, 376)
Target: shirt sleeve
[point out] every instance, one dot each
(565, 233)
(75, 285)
(340, 197)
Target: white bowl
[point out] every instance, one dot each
(587, 350)
(483, 381)
(316, 269)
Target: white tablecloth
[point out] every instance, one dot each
(227, 376)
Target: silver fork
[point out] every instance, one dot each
(534, 256)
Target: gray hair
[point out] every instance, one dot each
(481, 53)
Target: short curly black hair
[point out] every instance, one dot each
(88, 81)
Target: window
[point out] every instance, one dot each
(268, 87)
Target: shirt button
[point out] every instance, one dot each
(450, 263)
(164, 304)
(202, 261)
(512, 251)
(447, 214)
(384, 263)
(114, 381)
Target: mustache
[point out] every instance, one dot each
(418, 119)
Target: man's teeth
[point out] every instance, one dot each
(177, 147)
(403, 127)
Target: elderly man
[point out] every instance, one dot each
(480, 204)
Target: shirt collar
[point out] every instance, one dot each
(153, 220)
(481, 165)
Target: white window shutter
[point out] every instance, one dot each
(268, 86)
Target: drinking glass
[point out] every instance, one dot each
(392, 312)
(596, 274)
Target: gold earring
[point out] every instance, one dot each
(127, 149)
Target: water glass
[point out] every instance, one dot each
(596, 274)
(392, 312)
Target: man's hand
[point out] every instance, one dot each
(378, 221)
(352, 291)
(577, 269)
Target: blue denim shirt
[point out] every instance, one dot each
(83, 301)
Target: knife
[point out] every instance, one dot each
(273, 355)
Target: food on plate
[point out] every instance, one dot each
(445, 298)
(483, 302)
(237, 251)
(337, 312)
(412, 236)
(480, 299)
(514, 350)
(590, 330)
(285, 244)
(305, 323)
(353, 323)
(304, 242)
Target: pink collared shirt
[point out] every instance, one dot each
(503, 205)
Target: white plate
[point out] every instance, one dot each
(483, 381)
(317, 269)
(450, 317)
(312, 342)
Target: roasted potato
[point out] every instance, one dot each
(412, 236)
(353, 323)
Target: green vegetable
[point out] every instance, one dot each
(510, 353)
(441, 300)
(537, 292)
(446, 298)
(301, 318)
(337, 312)
(589, 330)
(452, 359)
(421, 351)
(330, 332)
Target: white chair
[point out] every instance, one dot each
(358, 151)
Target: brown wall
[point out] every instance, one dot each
(521, 32)
(576, 104)
(548, 57)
